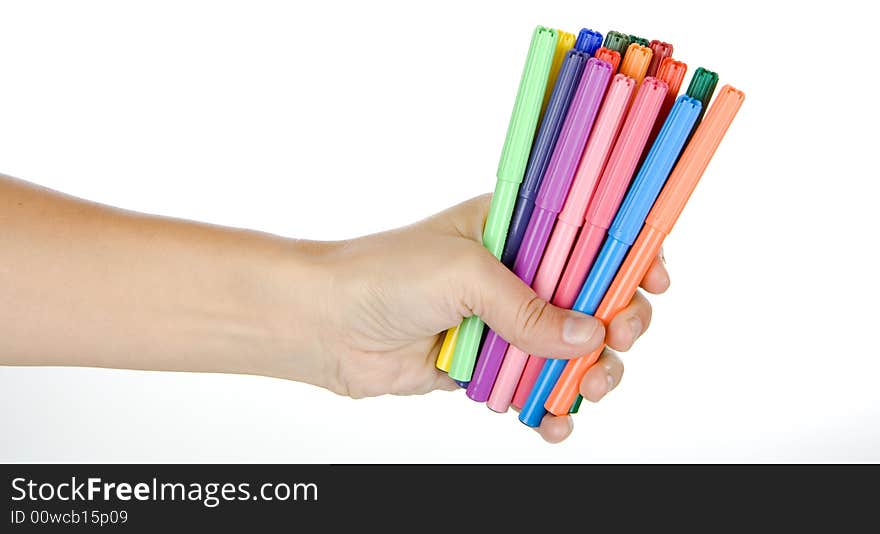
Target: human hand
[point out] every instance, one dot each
(97, 286)
(394, 294)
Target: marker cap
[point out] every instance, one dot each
(542, 149)
(664, 153)
(639, 40)
(636, 62)
(564, 43)
(702, 86)
(572, 140)
(617, 41)
(588, 41)
(612, 57)
(524, 118)
(661, 51)
(695, 159)
(672, 72)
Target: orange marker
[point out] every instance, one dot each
(636, 62)
(672, 72)
(658, 224)
(610, 56)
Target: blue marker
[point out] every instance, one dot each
(548, 133)
(588, 41)
(621, 235)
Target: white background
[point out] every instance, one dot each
(329, 120)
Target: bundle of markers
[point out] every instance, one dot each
(581, 212)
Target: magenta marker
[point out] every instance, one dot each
(554, 188)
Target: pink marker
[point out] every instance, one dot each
(601, 209)
(570, 219)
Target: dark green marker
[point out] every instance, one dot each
(617, 41)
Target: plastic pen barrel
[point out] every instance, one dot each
(588, 41)
(539, 158)
(623, 232)
(511, 169)
(658, 224)
(596, 153)
(444, 359)
(612, 187)
(560, 171)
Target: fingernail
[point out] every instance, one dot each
(635, 325)
(609, 382)
(570, 424)
(578, 329)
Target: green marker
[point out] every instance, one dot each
(511, 168)
(702, 87)
(617, 41)
(640, 40)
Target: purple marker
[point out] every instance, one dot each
(554, 188)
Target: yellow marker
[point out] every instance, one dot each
(444, 359)
(564, 43)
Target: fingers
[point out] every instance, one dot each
(513, 310)
(443, 382)
(602, 377)
(630, 323)
(656, 280)
(555, 429)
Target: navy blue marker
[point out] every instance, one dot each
(545, 141)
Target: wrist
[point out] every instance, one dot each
(292, 288)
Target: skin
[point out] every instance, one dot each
(85, 284)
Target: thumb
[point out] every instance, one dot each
(517, 314)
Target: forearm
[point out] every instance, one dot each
(88, 285)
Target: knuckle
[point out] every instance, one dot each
(529, 316)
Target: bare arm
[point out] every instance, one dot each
(89, 285)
